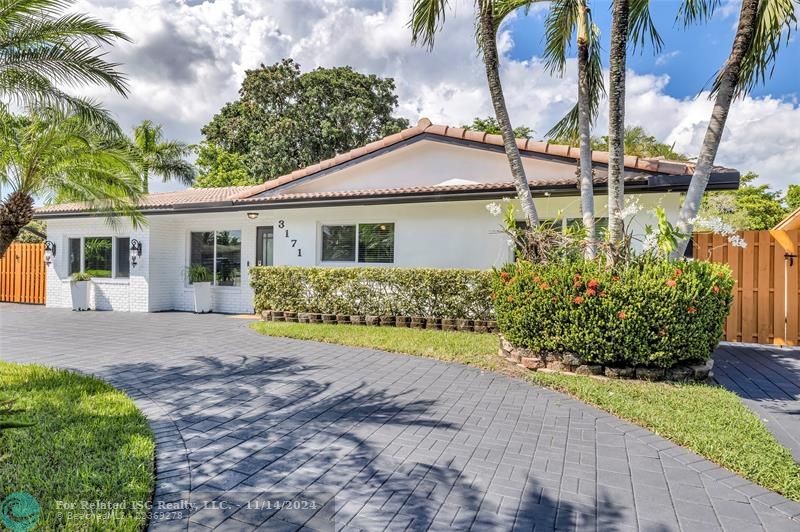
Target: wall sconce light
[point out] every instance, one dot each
(136, 251)
(49, 252)
(252, 215)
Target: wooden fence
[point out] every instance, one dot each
(22, 274)
(766, 302)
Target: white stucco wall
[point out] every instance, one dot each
(458, 234)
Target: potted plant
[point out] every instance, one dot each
(200, 278)
(79, 286)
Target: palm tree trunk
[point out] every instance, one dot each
(15, 213)
(616, 119)
(145, 181)
(488, 38)
(584, 131)
(745, 34)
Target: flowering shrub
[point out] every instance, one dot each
(654, 312)
(438, 293)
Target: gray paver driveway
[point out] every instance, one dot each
(404, 443)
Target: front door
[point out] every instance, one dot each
(264, 241)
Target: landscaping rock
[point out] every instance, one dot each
(387, 321)
(619, 373)
(491, 326)
(571, 359)
(464, 325)
(557, 365)
(505, 345)
(433, 323)
(342, 319)
(277, 315)
(479, 326)
(266, 315)
(372, 320)
(531, 363)
(703, 371)
(355, 319)
(589, 369)
(302, 317)
(680, 373)
(290, 316)
(329, 318)
(650, 374)
(314, 317)
(401, 321)
(417, 322)
(448, 324)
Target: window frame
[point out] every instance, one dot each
(357, 225)
(188, 261)
(114, 252)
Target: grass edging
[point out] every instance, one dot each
(88, 442)
(705, 419)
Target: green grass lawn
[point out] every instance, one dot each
(88, 442)
(709, 420)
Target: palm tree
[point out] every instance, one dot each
(60, 156)
(759, 35)
(42, 48)
(427, 18)
(165, 158)
(616, 118)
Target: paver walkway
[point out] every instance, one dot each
(399, 442)
(768, 381)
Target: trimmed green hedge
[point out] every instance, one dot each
(445, 293)
(653, 313)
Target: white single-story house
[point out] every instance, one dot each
(414, 199)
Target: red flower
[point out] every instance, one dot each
(621, 315)
(544, 286)
(591, 292)
(511, 298)
(602, 293)
(503, 274)
(720, 274)
(691, 310)
(593, 284)
(678, 272)
(577, 277)
(536, 279)
(578, 284)
(615, 277)
(671, 282)
(578, 300)
(715, 288)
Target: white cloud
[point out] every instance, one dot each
(188, 59)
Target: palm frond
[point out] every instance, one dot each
(560, 25)
(567, 127)
(427, 19)
(641, 26)
(696, 11)
(774, 17)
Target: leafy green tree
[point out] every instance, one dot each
(220, 168)
(490, 125)
(60, 156)
(750, 207)
(157, 156)
(44, 48)
(793, 197)
(285, 119)
(33, 232)
(638, 142)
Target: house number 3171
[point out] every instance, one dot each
(292, 241)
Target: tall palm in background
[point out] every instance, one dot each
(763, 26)
(63, 156)
(427, 19)
(43, 49)
(165, 158)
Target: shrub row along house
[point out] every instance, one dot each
(414, 199)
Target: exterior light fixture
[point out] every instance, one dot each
(136, 251)
(252, 215)
(49, 252)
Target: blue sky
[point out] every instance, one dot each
(690, 56)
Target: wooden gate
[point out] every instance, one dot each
(766, 296)
(22, 274)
